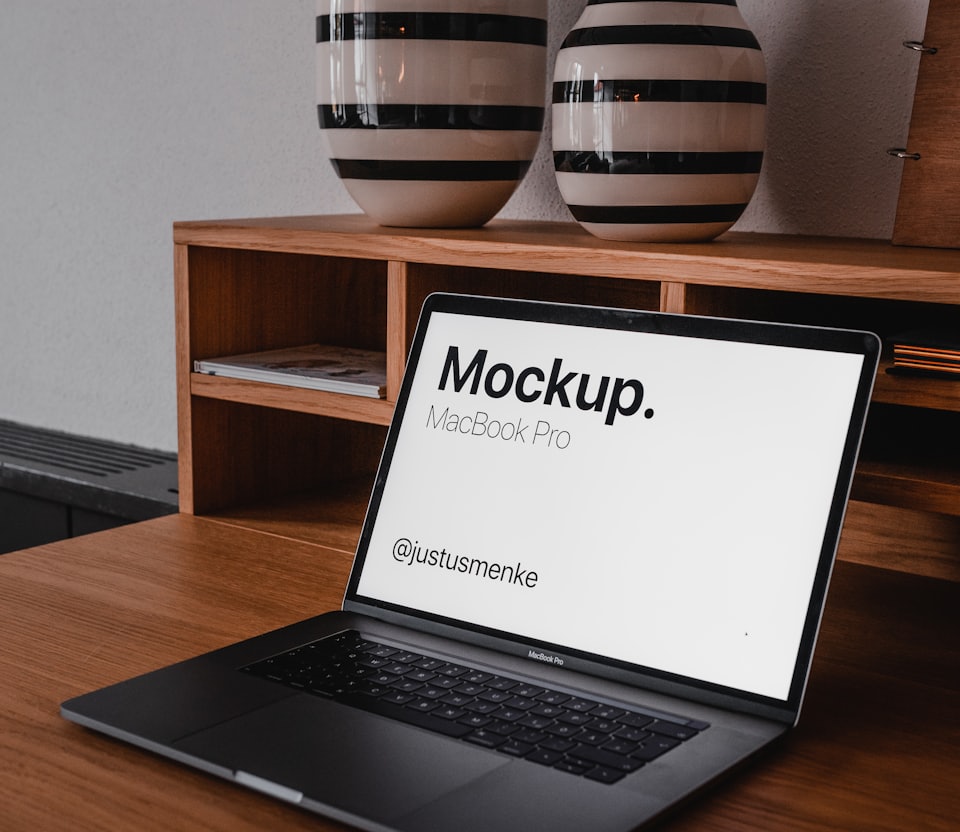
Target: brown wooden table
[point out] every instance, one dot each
(878, 746)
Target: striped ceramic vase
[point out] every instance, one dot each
(659, 112)
(431, 109)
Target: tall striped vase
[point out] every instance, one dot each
(431, 109)
(659, 113)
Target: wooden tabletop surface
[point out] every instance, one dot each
(877, 748)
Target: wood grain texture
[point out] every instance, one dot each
(831, 266)
(876, 748)
(919, 541)
(928, 208)
(181, 291)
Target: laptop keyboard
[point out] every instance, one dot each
(553, 728)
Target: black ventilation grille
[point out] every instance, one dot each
(73, 453)
(131, 482)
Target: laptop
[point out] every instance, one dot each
(589, 580)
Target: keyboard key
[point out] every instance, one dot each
(515, 748)
(448, 712)
(651, 749)
(474, 720)
(574, 718)
(477, 676)
(607, 712)
(552, 697)
(481, 707)
(534, 721)
(557, 744)
(592, 737)
(672, 729)
(382, 651)
(428, 664)
(551, 711)
(406, 657)
(495, 695)
(424, 705)
(503, 728)
(633, 734)
(605, 775)
(448, 682)
(618, 746)
(544, 756)
(407, 685)
(635, 720)
(485, 738)
(604, 758)
(604, 726)
(563, 729)
(527, 735)
(469, 688)
(580, 705)
(571, 767)
(528, 691)
(374, 662)
(397, 698)
(431, 692)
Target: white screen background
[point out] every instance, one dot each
(685, 542)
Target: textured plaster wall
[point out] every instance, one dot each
(119, 117)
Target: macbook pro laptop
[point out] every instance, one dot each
(589, 580)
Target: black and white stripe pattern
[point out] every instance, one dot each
(431, 109)
(659, 119)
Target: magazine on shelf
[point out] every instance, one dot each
(314, 366)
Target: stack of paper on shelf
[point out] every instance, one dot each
(314, 366)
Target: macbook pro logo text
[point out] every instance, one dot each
(611, 396)
(548, 658)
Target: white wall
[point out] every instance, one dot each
(118, 117)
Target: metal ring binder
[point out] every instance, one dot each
(918, 46)
(902, 153)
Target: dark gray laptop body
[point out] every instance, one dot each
(634, 509)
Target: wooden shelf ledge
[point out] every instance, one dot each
(301, 400)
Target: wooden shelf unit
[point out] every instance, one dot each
(279, 457)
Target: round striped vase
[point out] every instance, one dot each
(659, 113)
(431, 109)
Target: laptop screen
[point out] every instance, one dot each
(616, 486)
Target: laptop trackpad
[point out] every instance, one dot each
(342, 758)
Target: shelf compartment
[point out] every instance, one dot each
(881, 316)
(245, 455)
(905, 485)
(889, 537)
(916, 391)
(910, 458)
(418, 280)
(249, 301)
